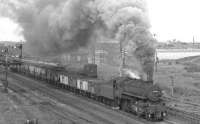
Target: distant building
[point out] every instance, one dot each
(79, 57)
(103, 53)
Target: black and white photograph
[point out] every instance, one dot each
(99, 62)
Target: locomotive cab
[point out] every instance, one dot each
(141, 98)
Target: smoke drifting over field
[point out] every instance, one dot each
(57, 26)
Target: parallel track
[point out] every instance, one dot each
(191, 118)
(58, 97)
(48, 106)
(168, 99)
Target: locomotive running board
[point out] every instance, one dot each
(131, 95)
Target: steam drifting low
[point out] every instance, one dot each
(57, 26)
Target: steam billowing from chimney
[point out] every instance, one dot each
(57, 26)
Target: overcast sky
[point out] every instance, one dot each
(170, 19)
(179, 19)
(9, 30)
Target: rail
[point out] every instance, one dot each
(168, 99)
(191, 118)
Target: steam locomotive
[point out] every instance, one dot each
(136, 96)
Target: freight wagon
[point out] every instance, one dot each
(131, 95)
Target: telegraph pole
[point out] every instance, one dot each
(20, 47)
(121, 57)
(6, 71)
(193, 42)
(172, 85)
(155, 62)
(94, 54)
(122, 52)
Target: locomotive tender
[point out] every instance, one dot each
(131, 95)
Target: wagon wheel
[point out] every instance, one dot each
(123, 105)
(147, 116)
(137, 113)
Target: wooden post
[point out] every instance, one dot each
(156, 61)
(124, 58)
(121, 56)
(172, 85)
(122, 52)
(21, 47)
(93, 54)
(6, 71)
(115, 88)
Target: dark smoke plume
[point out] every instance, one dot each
(55, 26)
(58, 26)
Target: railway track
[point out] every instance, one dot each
(168, 99)
(191, 117)
(43, 88)
(48, 105)
(89, 109)
(59, 98)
